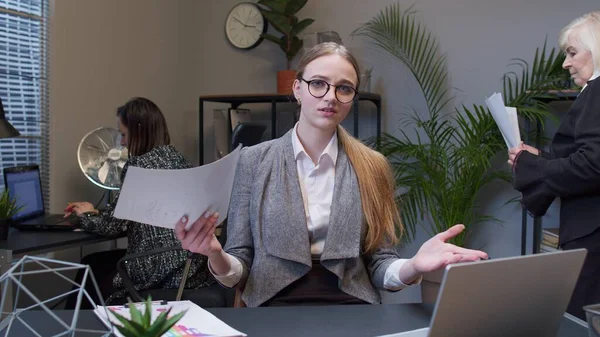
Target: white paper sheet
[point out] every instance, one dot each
(506, 119)
(514, 122)
(161, 197)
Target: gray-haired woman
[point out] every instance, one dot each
(572, 172)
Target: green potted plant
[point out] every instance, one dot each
(281, 14)
(8, 208)
(443, 164)
(141, 324)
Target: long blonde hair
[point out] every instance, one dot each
(374, 173)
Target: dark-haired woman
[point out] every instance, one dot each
(145, 134)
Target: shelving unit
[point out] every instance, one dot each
(236, 100)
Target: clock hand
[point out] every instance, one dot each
(236, 19)
(243, 24)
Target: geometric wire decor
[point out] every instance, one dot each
(50, 270)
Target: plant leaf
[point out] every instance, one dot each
(300, 26)
(127, 333)
(529, 91)
(274, 39)
(163, 323)
(293, 6)
(147, 318)
(400, 33)
(275, 5)
(158, 325)
(279, 21)
(135, 328)
(295, 47)
(136, 315)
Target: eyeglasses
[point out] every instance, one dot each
(319, 88)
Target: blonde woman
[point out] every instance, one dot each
(312, 219)
(572, 172)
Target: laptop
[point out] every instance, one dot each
(24, 184)
(515, 296)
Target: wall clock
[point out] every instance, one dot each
(244, 26)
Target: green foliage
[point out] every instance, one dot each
(442, 170)
(141, 325)
(8, 206)
(281, 15)
(530, 88)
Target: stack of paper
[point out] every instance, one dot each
(506, 119)
(195, 322)
(161, 197)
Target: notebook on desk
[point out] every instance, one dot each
(515, 296)
(24, 185)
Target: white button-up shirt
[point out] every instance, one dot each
(316, 184)
(594, 76)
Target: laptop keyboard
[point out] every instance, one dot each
(56, 218)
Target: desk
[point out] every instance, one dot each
(236, 100)
(330, 321)
(41, 241)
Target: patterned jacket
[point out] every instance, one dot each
(160, 270)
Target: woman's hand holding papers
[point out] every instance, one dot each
(200, 238)
(514, 152)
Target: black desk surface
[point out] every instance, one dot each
(22, 242)
(352, 320)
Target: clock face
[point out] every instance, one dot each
(244, 25)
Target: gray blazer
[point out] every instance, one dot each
(267, 227)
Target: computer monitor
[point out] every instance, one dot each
(24, 184)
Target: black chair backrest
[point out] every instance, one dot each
(247, 134)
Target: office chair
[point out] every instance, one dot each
(247, 134)
(213, 296)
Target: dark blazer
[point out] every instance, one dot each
(572, 173)
(267, 228)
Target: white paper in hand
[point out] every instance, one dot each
(161, 197)
(514, 122)
(506, 119)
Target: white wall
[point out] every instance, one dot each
(106, 51)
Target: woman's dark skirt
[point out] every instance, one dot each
(318, 287)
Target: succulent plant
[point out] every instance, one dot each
(141, 324)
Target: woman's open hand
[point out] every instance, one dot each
(436, 253)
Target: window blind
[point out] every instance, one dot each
(24, 85)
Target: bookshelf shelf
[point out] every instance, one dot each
(236, 100)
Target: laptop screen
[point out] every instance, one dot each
(25, 187)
